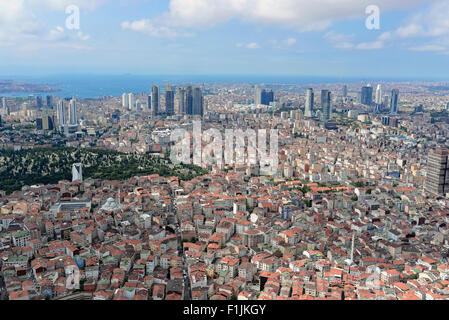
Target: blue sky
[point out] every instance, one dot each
(278, 37)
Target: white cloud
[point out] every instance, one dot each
(16, 21)
(32, 47)
(370, 45)
(57, 34)
(339, 40)
(20, 27)
(63, 4)
(283, 44)
(83, 37)
(147, 26)
(298, 15)
(253, 45)
(409, 31)
(290, 42)
(432, 23)
(302, 15)
(429, 47)
(347, 42)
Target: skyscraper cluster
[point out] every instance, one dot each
(325, 114)
(263, 97)
(62, 112)
(188, 100)
(191, 101)
(128, 101)
(381, 102)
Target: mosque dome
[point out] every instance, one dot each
(111, 205)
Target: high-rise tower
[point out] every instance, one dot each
(131, 101)
(125, 101)
(181, 97)
(345, 91)
(262, 96)
(73, 115)
(198, 107)
(379, 94)
(50, 102)
(170, 101)
(367, 95)
(155, 100)
(189, 100)
(394, 102)
(39, 102)
(61, 113)
(257, 95)
(437, 175)
(308, 113)
(326, 105)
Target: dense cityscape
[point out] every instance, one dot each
(93, 207)
(223, 159)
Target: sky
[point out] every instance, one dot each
(252, 37)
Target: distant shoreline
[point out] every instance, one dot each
(11, 86)
(91, 86)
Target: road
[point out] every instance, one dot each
(186, 278)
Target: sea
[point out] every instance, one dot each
(96, 86)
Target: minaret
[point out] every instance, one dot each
(118, 197)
